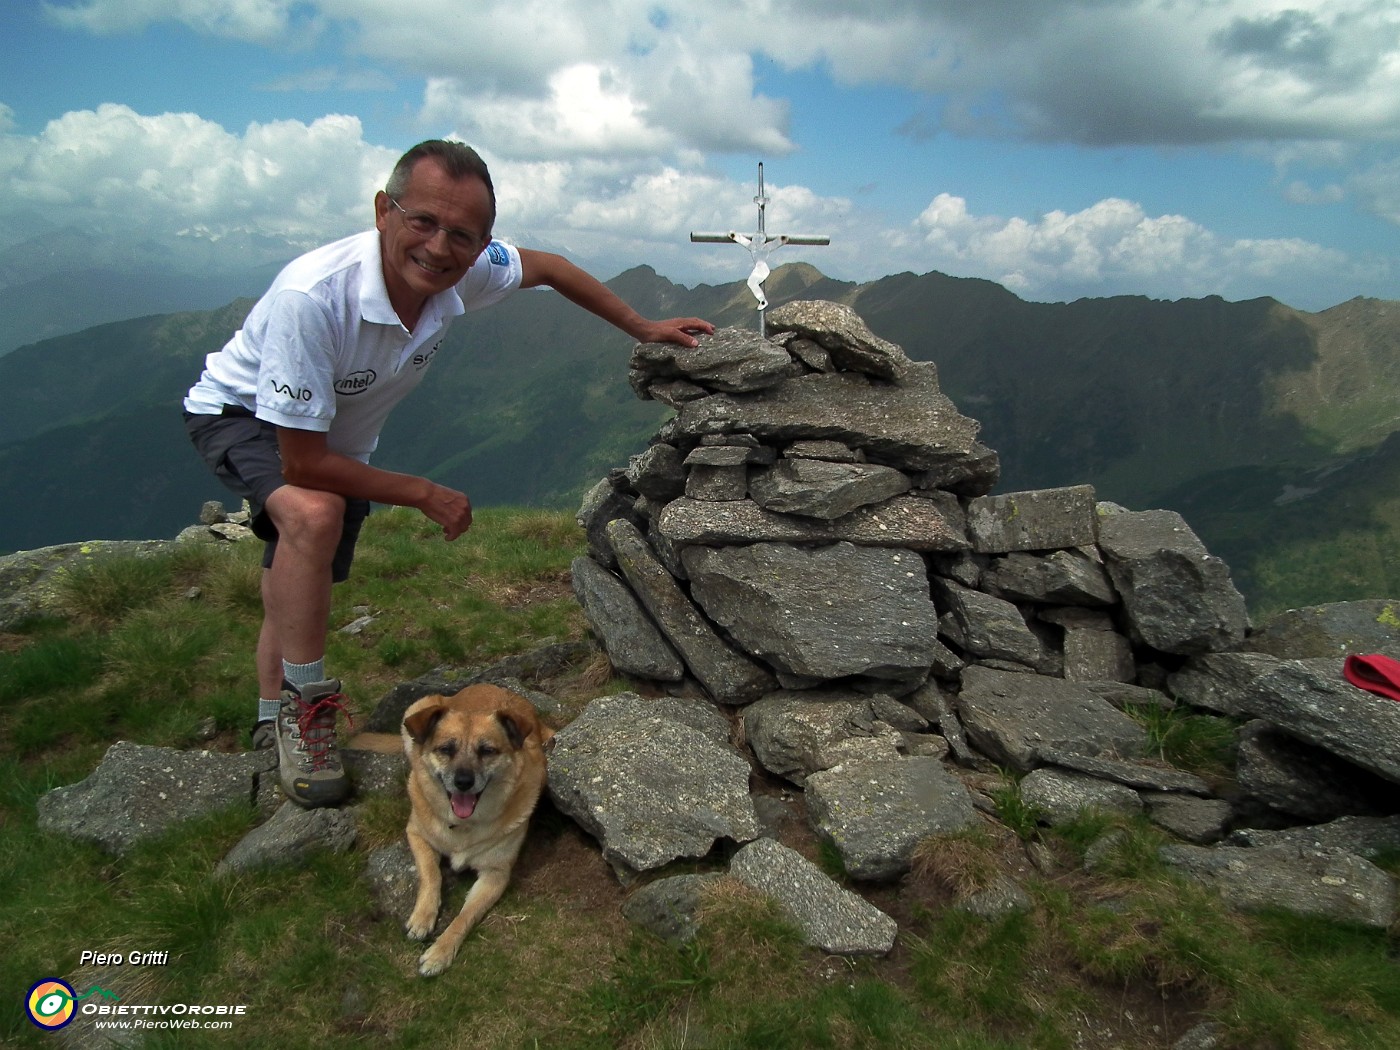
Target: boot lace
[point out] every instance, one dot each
(316, 727)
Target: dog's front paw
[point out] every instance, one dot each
(436, 959)
(420, 923)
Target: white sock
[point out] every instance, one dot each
(304, 674)
(267, 709)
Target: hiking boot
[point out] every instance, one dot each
(308, 762)
(265, 735)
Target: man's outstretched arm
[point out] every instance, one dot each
(585, 290)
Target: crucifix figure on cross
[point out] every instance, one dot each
(759, 245)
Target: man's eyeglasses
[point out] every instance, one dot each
(425, 225)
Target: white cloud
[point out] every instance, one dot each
(1379, 189)
(1300, 192)
(263, 21)
(653, 205)
(186, 183)
(329, 78)
(1114, 247)
(710, 101)
(600, 120)
(508, 46)
(648, 108)
(189, 192)
(1085, 71)
(1127, 71)
(588, 110)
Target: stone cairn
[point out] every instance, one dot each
(850, 631)
(812, 540)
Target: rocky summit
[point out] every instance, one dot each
(831, 617)
(814, 542)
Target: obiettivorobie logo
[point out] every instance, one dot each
(52, 1003)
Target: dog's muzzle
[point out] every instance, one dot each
(464, 792)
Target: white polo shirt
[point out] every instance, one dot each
(323, 349)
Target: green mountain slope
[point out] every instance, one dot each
(112, 368)
(1265, 426)
(1139, 395)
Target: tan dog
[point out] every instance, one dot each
(476, 769)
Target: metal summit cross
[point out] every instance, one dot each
(759, 244)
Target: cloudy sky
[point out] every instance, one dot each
(1063, 148)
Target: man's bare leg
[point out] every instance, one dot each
(296, 609)
(297, 588)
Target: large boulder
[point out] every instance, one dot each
(1304, 781)
(983, 626)
(1334, 630)
(1178, 597)
(1061, 577)
(833, 919)
(820, 613)
(912, 426)
(734, 360)
(1015, 718)
(841, 332)
(728, 675)
(1334, 885)
(139, 792)
(650, 786)
(633, 642)
(289, 838)
(876, 812)
(1041, 519)
(815, 488)
(903, 521)
(1310, 700)
(31, 581)
(794, 733)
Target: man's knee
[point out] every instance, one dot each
(307, 515)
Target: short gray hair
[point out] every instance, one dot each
(458, 160)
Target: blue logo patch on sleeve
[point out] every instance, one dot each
(497, 254)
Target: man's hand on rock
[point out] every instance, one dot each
(682, 330)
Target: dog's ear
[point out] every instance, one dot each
(421, 723)
(515, 732)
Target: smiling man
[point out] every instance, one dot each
(288, 413)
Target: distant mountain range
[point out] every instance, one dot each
(1270, 429)
(63, 281)
(62, 303)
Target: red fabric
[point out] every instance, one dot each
(1374, 673)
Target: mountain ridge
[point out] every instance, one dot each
(1148, 400)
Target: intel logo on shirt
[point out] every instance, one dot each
(356, 382)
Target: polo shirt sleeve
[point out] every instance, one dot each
(296, 373)
(496, 273)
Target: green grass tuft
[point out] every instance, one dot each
(1201, 743)
(1013, 811)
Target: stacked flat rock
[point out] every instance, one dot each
(813, 540)
(818, 512)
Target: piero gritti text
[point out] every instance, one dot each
(124, 958)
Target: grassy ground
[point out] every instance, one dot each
(152, 650)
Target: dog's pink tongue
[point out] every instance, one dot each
(463, 804)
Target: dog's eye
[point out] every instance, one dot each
(486, 750)
(448, 750)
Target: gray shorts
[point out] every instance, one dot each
(241, 450)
